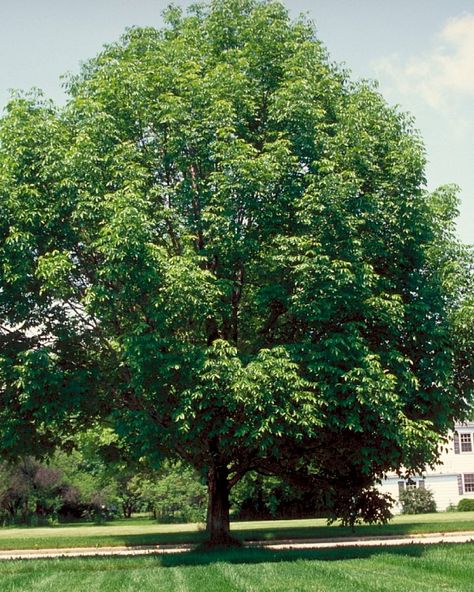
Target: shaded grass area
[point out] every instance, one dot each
(436, 567)
(146, 532)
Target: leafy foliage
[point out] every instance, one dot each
(256, 497)
(83, 485)
(175, 495)
(466, 505)
(29, 491)
(222, 246)
(417, 500)
(64, 488)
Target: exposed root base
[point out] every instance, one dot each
(227, 542)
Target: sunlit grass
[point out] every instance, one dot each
(430, 568)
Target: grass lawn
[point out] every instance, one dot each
(143, 531)
(431, 568)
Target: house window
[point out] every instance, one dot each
(466, 442)
(410, 484)
(468, 482)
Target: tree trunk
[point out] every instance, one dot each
(218, 523)
(127, 510)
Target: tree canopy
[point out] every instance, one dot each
(222, 247)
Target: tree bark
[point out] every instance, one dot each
(218, 522)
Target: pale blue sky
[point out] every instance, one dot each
(421, 51)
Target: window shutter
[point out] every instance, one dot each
(456, 443)
(401, 487)
(421, 484)
(460, 487)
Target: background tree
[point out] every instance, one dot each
(31, 492)
(417, 500)
(172, 494)
(257, 497)
(222, 245)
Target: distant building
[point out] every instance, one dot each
(451, 480)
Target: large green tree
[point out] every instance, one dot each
(222, 246)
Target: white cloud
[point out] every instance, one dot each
(444, 74)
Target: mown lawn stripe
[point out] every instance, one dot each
(445, 568)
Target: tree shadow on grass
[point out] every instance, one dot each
(243, 556)
(249, 556)
(301, 533)
(254, 556)
(334, 531)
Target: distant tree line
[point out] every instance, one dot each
(93, 483)
(35, 493)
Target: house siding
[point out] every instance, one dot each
(446, 481)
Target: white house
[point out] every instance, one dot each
(451, 480)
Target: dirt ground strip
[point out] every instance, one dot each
(428, 539)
